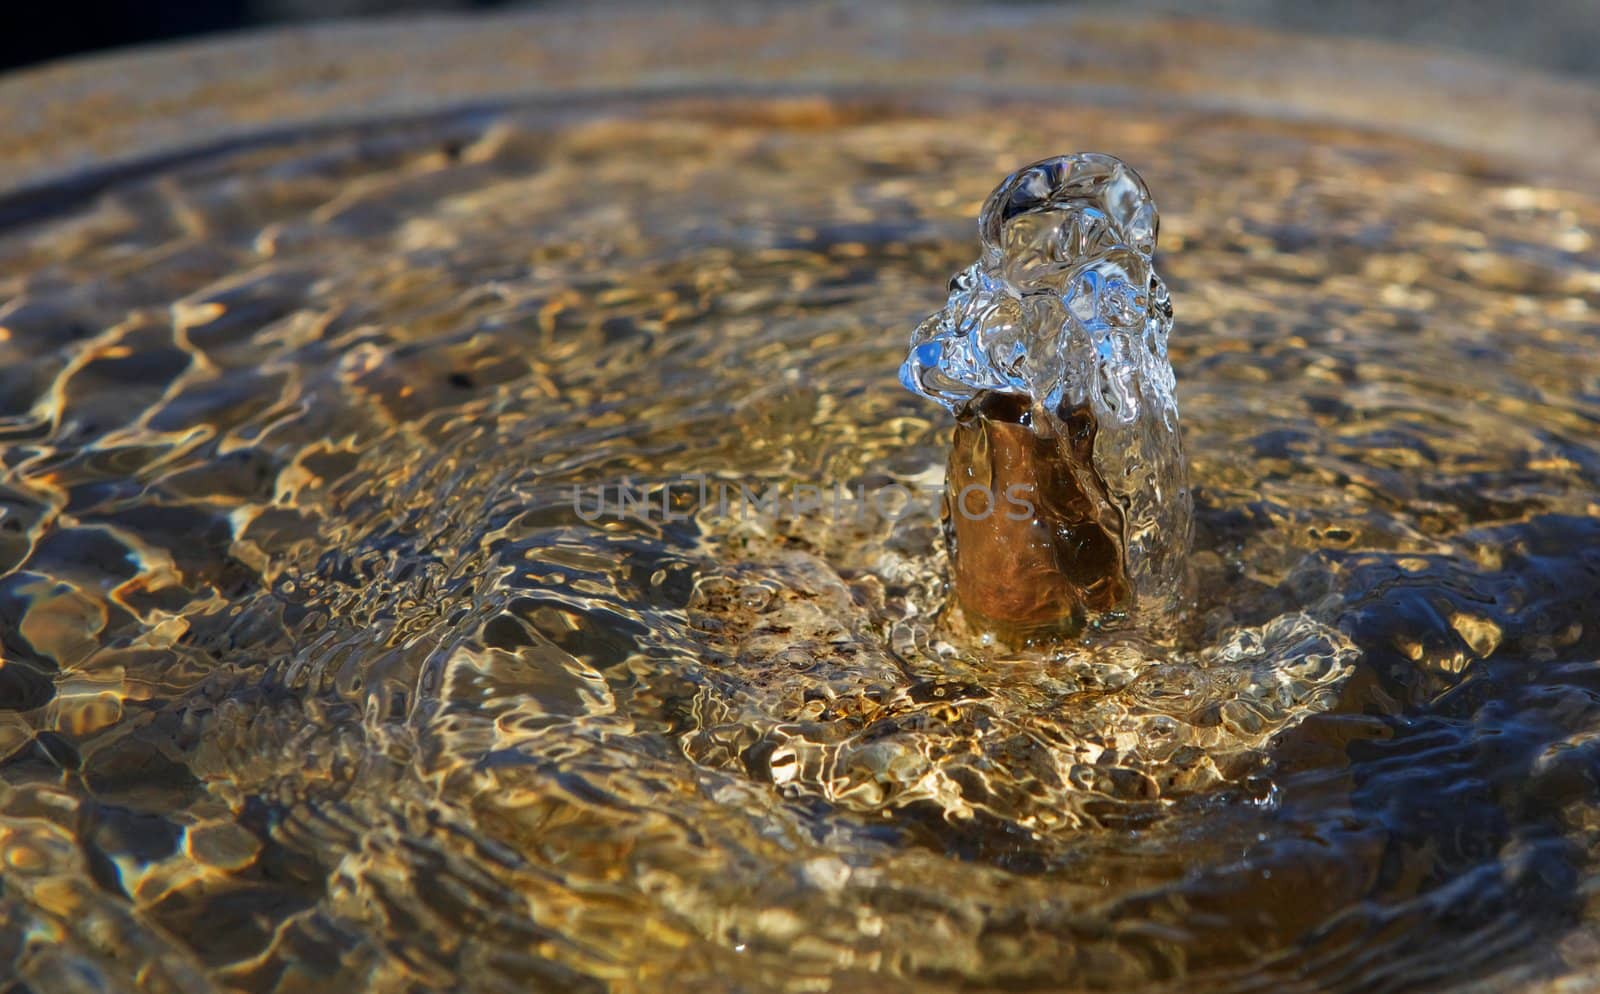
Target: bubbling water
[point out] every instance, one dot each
(1064, 307)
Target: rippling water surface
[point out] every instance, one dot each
(317, 678)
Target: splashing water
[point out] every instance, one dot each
(1065, 307)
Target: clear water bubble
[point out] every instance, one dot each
(1078, 231)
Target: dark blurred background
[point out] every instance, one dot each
(1557, 36)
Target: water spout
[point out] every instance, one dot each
(1066, 498)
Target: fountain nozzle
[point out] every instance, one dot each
(1066, 492)
(1035, 541)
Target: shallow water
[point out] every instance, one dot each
(317, 676)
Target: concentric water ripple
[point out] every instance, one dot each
(319, 673)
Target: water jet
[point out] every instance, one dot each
(1066, 493)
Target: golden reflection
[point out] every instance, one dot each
(316, 679)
